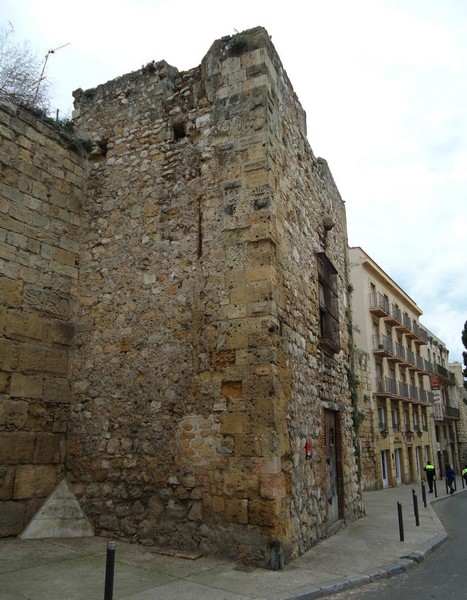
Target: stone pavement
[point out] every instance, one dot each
(367, 550)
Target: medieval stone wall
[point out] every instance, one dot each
(190, 332)
(40, 189)
(197, 373)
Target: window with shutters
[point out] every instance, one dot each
(329, 338)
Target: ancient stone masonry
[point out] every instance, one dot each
(40, 192)
(197, 372)
(211, 407)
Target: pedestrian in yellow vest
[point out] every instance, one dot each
(430, 475)
(464, 474)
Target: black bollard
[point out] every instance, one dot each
(401, 522)
(109, 571)
(423, 494)
(434, 485)
(446, 482)
(455, 484)
(463, 486)
(415, 508)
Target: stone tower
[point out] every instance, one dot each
(209, 369)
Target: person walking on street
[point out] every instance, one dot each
(450, 478)
(464, 474)
(430, 475)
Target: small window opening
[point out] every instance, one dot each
(179, 131)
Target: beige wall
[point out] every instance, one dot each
(40, 197)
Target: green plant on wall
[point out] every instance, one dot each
(357, 415)
(237, 44)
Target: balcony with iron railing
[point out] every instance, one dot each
(419, 362)
(383, 345)
(407, 322)
(379, 304)
(386, 385)
(403, 389)
(444, 373)
(410, 356)
(394, 316)
(399, 351)
(420, 333)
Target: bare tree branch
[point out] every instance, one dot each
(20, 73)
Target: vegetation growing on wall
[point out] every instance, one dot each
(357, 415)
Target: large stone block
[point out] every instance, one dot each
(236, 510)
(26, 386)
(16, 447)
(56, 390)
(11, 292)
(13, 413)
(264, 513)
(24, 325)
(7, 478)
(42, 359)
(8, 350)
(12, 518)
(49, 448)
(35, 481)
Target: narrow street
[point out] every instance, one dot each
(442, 576)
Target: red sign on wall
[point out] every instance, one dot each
(434, 381)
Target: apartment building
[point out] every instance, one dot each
(409, 397)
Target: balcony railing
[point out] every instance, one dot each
(407, 322)
(396, 313)
(413, 392)
(379, 304)
(403, 389)
(410, 356)
(422, 395)
(444, 373)
(399, 350)
(419, 362)
(383, 343)
(386, 385)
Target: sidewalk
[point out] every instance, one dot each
(367, 550)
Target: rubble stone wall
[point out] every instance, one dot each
(197, 373)
(41, 183)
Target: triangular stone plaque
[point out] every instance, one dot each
(60, 516)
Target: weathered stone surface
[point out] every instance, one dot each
(34, 481)
(191, 339)
(40, 197)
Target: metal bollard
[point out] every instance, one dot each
(109, 570)
(401, 521)
(423, 494)
(415, 508)
(436, 490)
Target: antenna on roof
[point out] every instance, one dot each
(42, 77)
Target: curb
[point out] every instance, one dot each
(407, 563)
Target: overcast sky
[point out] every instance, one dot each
(384, 86)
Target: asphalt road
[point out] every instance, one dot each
(441, 576)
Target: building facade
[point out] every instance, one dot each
(207, 376)
(407, 395)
